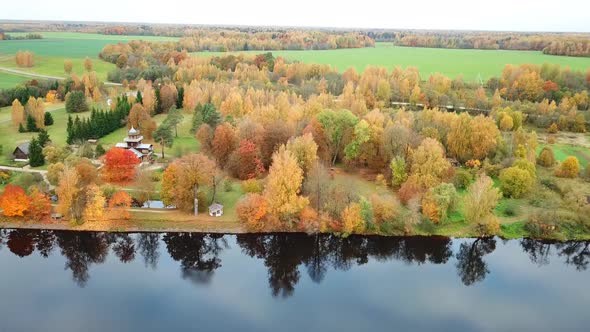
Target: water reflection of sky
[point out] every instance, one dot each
(37, 293)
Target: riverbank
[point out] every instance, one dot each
(165, 221)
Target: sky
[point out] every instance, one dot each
(503, 15)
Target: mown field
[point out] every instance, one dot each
(472, 64)
(51, 52)
(68, 44)
(8, 80)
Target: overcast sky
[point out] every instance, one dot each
(514, 15)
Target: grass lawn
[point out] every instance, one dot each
(51, 52)
(10, 137)
(562, 151)
(54, 66)
(472, 64)
(8, 80)
(69, 44)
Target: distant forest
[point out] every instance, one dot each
(234, 38)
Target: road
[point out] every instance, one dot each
(28, 170)
(24, 73)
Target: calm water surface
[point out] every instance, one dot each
(69, 281)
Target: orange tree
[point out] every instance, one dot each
(120, 165)
(14, 201)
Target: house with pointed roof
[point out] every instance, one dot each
(134, 143)
(21, 152)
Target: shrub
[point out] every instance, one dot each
(543, 224)
(439, 202)
(399, 173)
(487, 226)
(252, 210)
(463, 178)
(380, 180)
(251, 186)
(473, 163)
(553, 129)
(309, 221)
(490, 169)
(511, 209)
(551, 139)
(99, 150)
(410, 189)
(546, 157)
(515, 182)
(227, 186)
(385, 208)
(569, 168)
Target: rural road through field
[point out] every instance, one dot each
(20, 72)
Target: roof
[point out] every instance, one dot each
(121, 145)
(133, 131)
(144, 146)
(24, 147)
(215, 207)
(138, 139)
(137, 153)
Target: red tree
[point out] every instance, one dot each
(550, 86)
(120, 165)
(246, 163)
(14, 201)
(40, 207)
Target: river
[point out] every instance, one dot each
(76, 281)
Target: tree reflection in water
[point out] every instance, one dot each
(148, 244)
(284, 255)
(81, 249)
(198, 254)
(470, 264)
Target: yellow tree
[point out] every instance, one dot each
(352, 220)
(283, 184)
(183, 178)
(18, 113)
(68, 66)
(481, 199)
(305, 150)
(429, 164)
(36, 108)
(66, 190)
(149, 98)
(88, 64)
(95, 201)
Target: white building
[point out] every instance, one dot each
(133, 142)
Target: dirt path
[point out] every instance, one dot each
(24, 73)
(28, 170)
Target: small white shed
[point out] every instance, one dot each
(216, 210)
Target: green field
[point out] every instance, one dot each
(562, 151)
(10, 136)
(51, 52)
(8, 80)
(472, 64)
(54, 66)
(68, 44)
